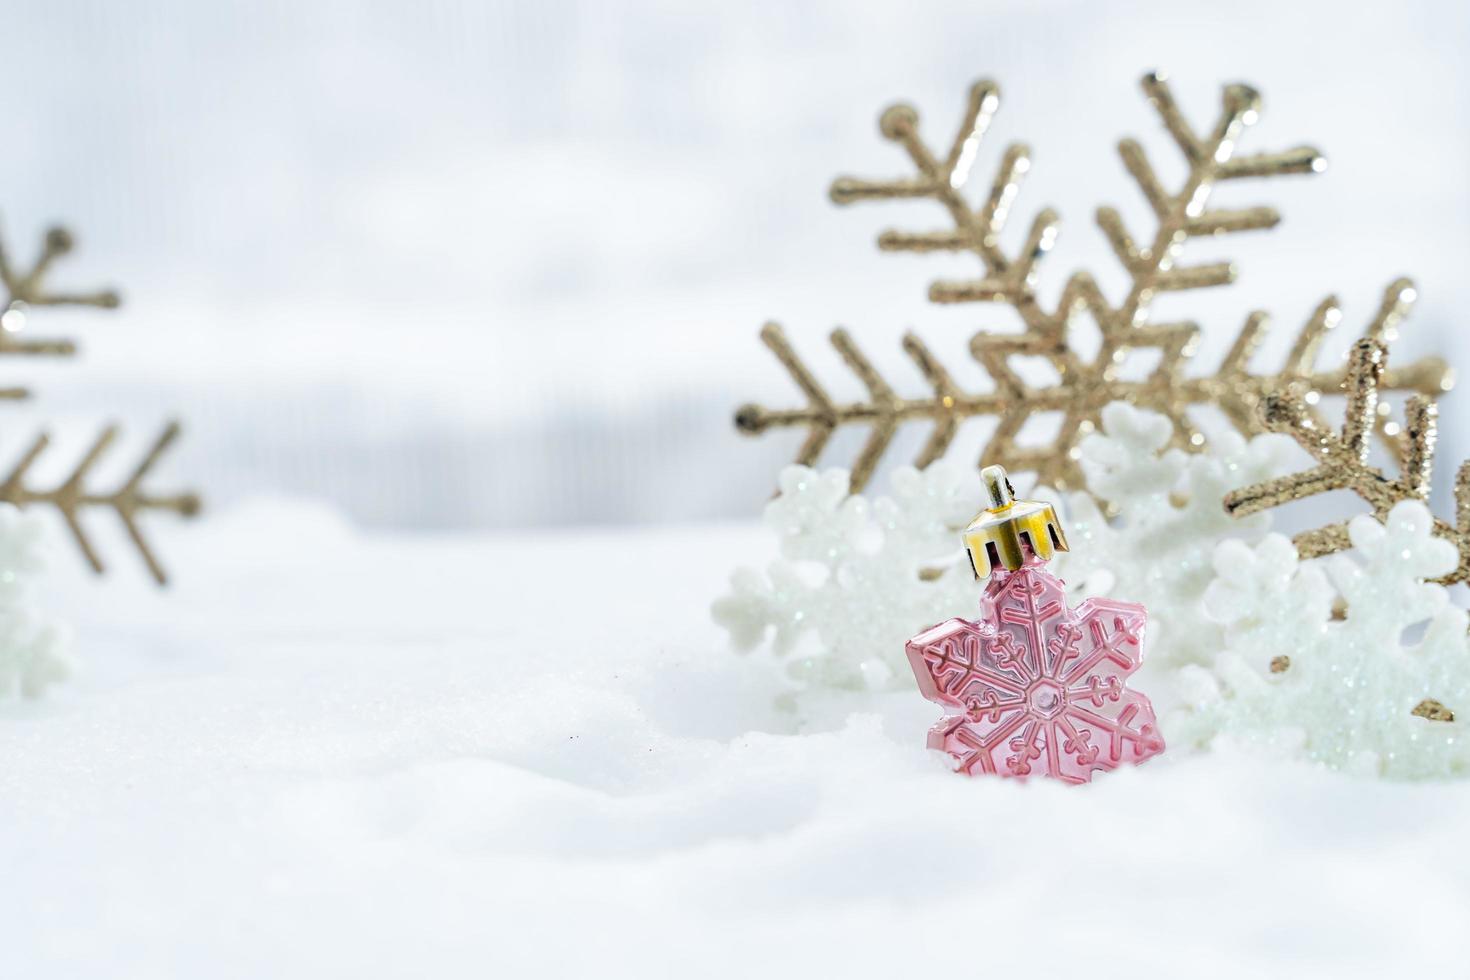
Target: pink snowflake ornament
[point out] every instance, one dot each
(1035, 686)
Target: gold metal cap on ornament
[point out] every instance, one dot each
(994, 536)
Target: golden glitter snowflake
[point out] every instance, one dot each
(1084, 385)
(75, 494)
(1342, 457)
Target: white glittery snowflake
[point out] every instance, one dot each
(1157, 550)
(857, 578)
(1345, 692)
(32, 649)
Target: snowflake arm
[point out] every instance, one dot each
(1341, 458)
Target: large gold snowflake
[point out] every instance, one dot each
(1083, 384)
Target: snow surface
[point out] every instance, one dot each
(327, 754)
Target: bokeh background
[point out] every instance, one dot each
(449, 264)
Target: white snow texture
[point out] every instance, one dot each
(322, 755)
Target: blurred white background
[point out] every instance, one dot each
(459, 264)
